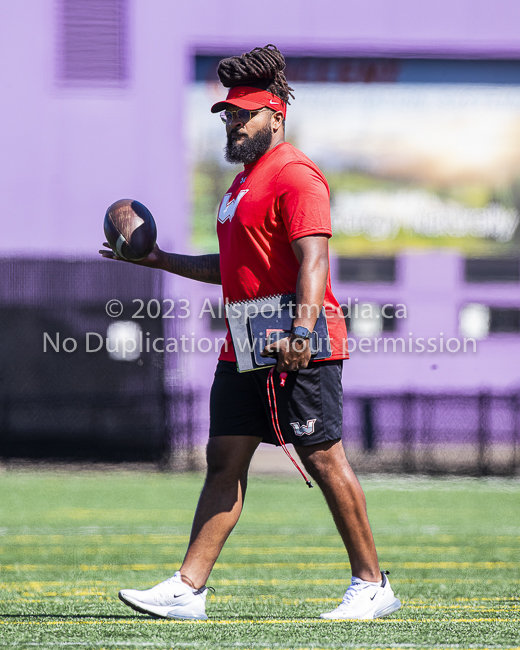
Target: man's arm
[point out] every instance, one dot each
(312, 253)
(204, 268)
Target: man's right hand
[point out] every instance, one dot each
(152, 260)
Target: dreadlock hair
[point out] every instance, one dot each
(261, 68)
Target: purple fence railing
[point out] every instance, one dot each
(434, 433)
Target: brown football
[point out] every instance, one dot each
(130, 229)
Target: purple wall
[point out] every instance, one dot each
(463, 27)
(432, 288)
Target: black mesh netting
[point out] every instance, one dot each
(79, 405)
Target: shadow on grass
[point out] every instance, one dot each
(74, 616)
(145, 617)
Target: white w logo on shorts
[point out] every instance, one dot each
(228, 208)
(308, 429)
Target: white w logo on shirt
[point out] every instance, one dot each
(228, 208)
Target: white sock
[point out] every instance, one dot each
(367, 582)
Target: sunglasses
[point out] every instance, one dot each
(243, 115)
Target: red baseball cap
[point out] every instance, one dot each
(250, 98)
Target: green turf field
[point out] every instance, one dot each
(69, 541)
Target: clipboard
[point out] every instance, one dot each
(255, 323)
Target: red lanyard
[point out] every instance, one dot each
(274, 418)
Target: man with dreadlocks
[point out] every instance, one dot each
(273, 227)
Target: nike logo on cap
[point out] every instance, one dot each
(271, 102)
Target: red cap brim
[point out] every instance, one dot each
(239, 103)
(251, 99)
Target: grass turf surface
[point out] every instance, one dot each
(69, 542)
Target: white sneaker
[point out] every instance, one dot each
(169, 599)
(366, 600)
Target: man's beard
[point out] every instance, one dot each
(250, 149)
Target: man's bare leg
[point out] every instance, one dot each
(220, 504)
(327, 464)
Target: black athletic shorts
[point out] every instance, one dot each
(310, 405)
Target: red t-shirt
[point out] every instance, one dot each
(281, 197)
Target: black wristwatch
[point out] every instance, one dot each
(302, 333)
